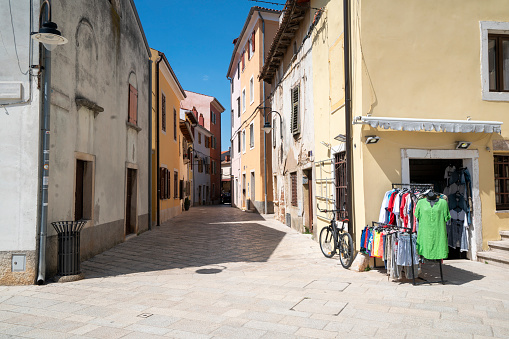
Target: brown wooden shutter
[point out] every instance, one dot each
(133, 105)
(253, 40)
(161, 183)
(168, 183)
(295, 123)
(243, 60)
(163, 113)
(293, 177)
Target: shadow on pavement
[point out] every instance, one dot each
(430, 272)
(195, 238)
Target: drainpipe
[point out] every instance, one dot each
(44, 164)
(158, 184)
(264, 117)
(348, 114)
(149, 144)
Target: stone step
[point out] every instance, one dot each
(504, 235)
(494, 258)
(499, 246)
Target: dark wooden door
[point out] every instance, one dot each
(130, 219)
(310, 199)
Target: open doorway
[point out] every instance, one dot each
(307, 196)
(131, 202)
(438, 172)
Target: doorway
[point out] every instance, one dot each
(308, 199)
(244, 191)
(131, 202)
(252, 191)
(435, 171)
(470, 160)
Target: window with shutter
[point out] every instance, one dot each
(133, 105)
(293, 178)
(174, 124)
(163, 113)
(251, 136)
(167, 183)
(161, 183)
(175, 185)
(253, 40)
(295, 122)
(181, 190)
(243, 60)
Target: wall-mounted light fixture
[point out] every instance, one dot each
(267, 127)
(340, 137)
(372, 139)
(48, 33)
(463, 145)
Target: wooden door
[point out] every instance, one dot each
(131, 202)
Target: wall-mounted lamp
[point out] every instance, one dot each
(340, 137)
(463, 145)
(372, 139)
(267, 127)
(48, 33)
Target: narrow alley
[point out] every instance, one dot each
(217, 272)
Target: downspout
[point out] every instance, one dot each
(264, 118)
(158, 184)
(348, 115)
(44, 164)
(149, 144)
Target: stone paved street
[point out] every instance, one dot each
(217, 272)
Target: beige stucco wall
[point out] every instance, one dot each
(421, 59)
(253, 159)
(328, 92)
(170, 147)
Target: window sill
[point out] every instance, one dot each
(495, 96)
(502, 212)
(133, 126)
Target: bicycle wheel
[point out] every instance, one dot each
(327, 242)
(345, 249)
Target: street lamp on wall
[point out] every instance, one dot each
(267, 127)
(48, 33)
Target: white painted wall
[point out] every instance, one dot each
(200, 179)
(295, 151)
(19, 130)
(235, 155)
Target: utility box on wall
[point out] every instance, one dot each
(288, 220)
(18, 262)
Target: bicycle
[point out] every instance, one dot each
(334, 239)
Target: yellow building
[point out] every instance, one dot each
(427, 79)
(168, 173)
(253, 172)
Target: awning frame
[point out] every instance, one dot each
(438, 125)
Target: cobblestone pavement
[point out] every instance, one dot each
(217, 272)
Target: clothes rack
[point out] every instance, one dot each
(409, 230)
(381, 226)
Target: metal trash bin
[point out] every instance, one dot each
(69, 246)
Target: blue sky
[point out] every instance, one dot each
(196, 36)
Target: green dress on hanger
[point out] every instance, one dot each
(432, 233)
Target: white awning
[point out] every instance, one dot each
(439, 125)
